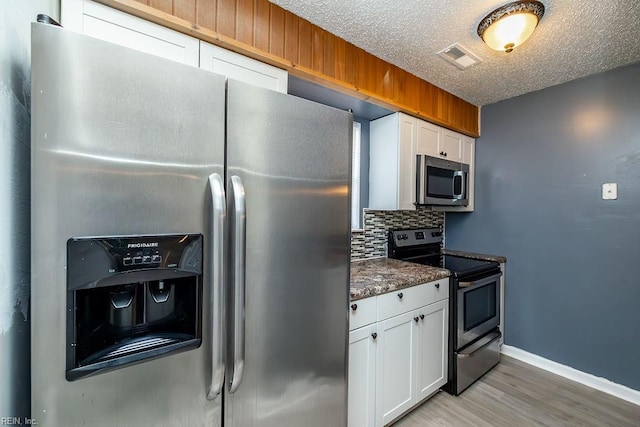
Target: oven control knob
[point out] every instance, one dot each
(400, 295)
(354, 307)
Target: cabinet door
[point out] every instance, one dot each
(112, 25)
(451, 146)
(362, 376)
(433, 330)
(242, 68)
(429, 139)
(407, 162)
(396, 367)
(468, 150)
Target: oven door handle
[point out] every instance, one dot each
(479, 282)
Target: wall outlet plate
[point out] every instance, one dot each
(610, 191)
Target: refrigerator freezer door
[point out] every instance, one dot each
(123, 143)
(293, 157)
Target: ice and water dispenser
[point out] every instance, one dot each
(130, 299)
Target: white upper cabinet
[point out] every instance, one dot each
(429, 138)
(392, 157)
(468, 150)
(112, 25)
(437, 142)
(451, 146)
(242, 68)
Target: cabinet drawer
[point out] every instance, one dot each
(391, 304)
(362, 312)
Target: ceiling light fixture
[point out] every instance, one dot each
(510, 25)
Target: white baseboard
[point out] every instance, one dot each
(598, 383)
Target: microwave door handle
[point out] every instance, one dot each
(216, 290)
(459, 174)
(238, 240)
(419, 199)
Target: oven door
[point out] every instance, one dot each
(478, 308)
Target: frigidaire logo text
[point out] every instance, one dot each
(143, 245)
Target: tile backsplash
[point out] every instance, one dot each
(371, 242)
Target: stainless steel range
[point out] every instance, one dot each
(474, 303)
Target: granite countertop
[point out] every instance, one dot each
(381, 275)
(474, 255)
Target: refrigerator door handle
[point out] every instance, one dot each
(218, 214)
(239, 264)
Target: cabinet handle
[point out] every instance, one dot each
(374, 335)
(422, 317)
(416, 319)
(400, 295)
(354, 307)
(442, 153)
(437, 287)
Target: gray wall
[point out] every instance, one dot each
(15, 96)
(573, 270)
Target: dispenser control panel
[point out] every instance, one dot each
(95, 258)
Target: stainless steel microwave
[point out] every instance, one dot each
(441, 182)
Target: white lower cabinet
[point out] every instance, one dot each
(395, 379)
(400, 359)
(362, 376)
(433, 331)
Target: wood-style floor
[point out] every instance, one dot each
(516, 394)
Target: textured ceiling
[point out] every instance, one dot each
(574, 39)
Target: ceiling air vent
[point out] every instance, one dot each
(459, 56)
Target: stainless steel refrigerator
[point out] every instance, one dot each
(190, 245)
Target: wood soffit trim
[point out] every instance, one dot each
(136, 8)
